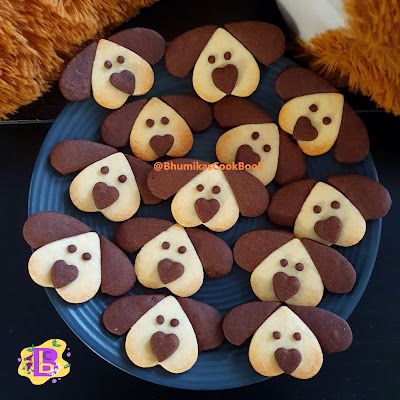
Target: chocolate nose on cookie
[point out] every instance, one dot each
(288, 360)
(169, 270)
(329, 229)
(164, 345)
(246, 155)
(206, 209)
(104, 195)
(161, 144)
(62, 274)
(303, 130)
(123, 81)
(225, 78)
(285, 286)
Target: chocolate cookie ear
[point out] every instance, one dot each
(215, 255)
(333, 333)
(369, 196)
(75, 82)
(116, 128)
(147, 43)
(71, 156)
(196, 112)
(336, 271)
(242, 321)
(352, 143)
(133, 234)
(234, 111)
(183, 52)
(117, 272)
(206, 322)
(173, 174)
(265, 41)
(123, 313)
(46, 226)
(291, 162)
(142, 170)
(252, 197)
(287, 202)
(296, 81)
(254, 247)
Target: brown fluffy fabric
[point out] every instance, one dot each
(37, 36)
(365, 56)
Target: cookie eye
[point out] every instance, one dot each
(326, 120)
(313, 108)
(71, 248)
(299, 266)
(121, 59)
(227, 55)
(122, 178)
(164, 120)
(165, 245)
(86, 256)
(255, 135)
(108, 64)
(317, 209)
(276, 335)
(216, 189)
(174, 322)
(199, 188)
(104, 170)
(297, 336)
(284, 262)
(160, 319)
(267, 148)
(182, 249)
(149, 122)
(335, 204)
(211, 59)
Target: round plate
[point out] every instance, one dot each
(226, 366)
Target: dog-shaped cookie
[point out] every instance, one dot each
(164, 330)
(158, 126)
(110, 182)
(74, 260)
(206, 194)
(292, 270)
(255, 138)
(317, 116)
(224, 59)
(334, 212)
(172, 256)
(114, 68)
(286, 339)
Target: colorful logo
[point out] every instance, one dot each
(44, 362)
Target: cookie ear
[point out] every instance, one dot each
(295, 81)
(233, 111)
(265, 41)
(183, 52)
(291, 162)
(75, 82)
(336, 271)
(46, 226)
(123, 313)
(206, 322)
(333, 333)
(254, 247)
(117, 272)
(215, 255)
(142, 170)
(352, 143)
(196, 112)
(116, 128)
(172, 175)
(251, 195)
(242, 321)
(147, 43)
(369, 196)
(287, 202)
(133, 234)
(71, 156)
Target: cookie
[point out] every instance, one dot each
(157, 127)
(316, 115)
(74, 260)
(114, 68)
(208, 195)
(334, 212)
(164, 330)
(294, 271)
(286, 339)
(224, 59)
(110, 182)
(172, 256)
(256, 139)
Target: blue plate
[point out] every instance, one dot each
(227, 366)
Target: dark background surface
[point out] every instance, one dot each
(368, 370)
